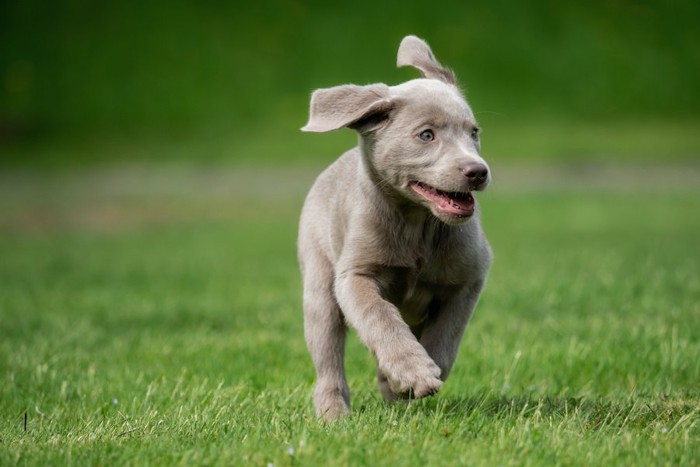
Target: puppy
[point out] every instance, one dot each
(390, 241)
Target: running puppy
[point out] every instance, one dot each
(390, 241)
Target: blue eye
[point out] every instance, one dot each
(427, 135)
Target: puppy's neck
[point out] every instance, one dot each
(386, 199)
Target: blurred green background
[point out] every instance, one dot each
(220, 81)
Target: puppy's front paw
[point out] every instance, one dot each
(425, 387)
(331, 403)
(332, 410)
(415, 377)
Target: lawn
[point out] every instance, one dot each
(151, 315)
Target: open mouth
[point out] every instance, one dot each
(451, 203)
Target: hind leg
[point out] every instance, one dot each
(443, 333)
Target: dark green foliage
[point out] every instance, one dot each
(226, 74)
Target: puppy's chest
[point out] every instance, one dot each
(412, 290)
(419, 271)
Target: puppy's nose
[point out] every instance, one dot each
(477, 174)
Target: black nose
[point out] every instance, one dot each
(477, 174)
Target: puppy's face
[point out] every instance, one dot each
(428, 148)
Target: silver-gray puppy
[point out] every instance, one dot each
(390, 241)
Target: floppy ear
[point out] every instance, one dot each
(415, 52)
(361, 108)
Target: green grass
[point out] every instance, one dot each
(151, 315)
(509, 139)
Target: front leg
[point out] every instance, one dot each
(444, 330)
(404, 361)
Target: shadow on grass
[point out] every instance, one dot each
(636, 412)
(630, 412)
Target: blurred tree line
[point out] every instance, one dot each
(76, 65)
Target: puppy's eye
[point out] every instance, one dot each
(427, 135)
(475, 133)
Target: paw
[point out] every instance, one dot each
(415, 377)
(333, 411)
(331, 404)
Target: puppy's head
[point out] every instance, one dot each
(420, 139)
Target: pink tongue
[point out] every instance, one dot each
(455, 206)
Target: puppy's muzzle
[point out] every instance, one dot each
(477, 175)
